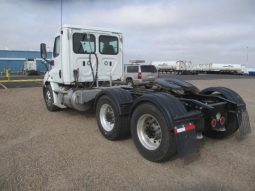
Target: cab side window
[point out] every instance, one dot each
(56, 49)
(84, 43)
(108, 45)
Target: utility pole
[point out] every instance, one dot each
(247, 54)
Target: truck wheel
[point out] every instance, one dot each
(148, 86)
(151, 135)
(232, 122)
(49, 99)
(130, 82)
(110, 123)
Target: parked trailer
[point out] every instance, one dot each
(185, 67)
(203, 68)
(30, 67)
(178, 67)
(251, 71)
(163, 120)
(217, 68)
(226, 68)
(165, 66)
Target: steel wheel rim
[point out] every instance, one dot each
(130, 84)
(48, 98)
(149, 132)
(107, 117)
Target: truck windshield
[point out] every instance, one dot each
(148, 68)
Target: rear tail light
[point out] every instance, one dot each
(139, 75)
(222, 120)
(213, 123)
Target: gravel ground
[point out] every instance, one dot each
(64, 150)
(180, 77)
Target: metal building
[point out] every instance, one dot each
(14, 60)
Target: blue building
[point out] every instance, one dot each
(14, 60)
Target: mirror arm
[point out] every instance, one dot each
(50, 62)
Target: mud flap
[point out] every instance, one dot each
(187, 144)
(244, 123)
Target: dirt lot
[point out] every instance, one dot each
(40, 150)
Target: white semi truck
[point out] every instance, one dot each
(163, 120)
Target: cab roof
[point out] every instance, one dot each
(96, 29)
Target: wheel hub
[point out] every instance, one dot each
(107, 117)
(149, 132)
(48, 98)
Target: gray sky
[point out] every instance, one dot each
(202, 31)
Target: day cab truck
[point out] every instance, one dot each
(166, 119)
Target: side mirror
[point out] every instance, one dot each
(43, 51)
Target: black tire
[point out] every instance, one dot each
(167, 147)
(232, 122)
(130, 82)
(49, 99)
(120, 128)
(148, 86)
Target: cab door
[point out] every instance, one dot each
(110, 57)
(56, 71)
(82, 58)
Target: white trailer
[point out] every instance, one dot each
(251, 71)
(185, 67)
(226, 68)
(221, 68)
(30, 67)
(178, 67)
(165, 66)
(203, 68)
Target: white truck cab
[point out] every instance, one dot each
(77, 52)
(82, 61)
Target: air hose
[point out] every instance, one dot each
(95, 77)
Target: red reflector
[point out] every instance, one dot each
(184, 128)
(213, 123)
(190, 127)
(222, 120)
(139, 75)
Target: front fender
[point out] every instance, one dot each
(46, 78)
